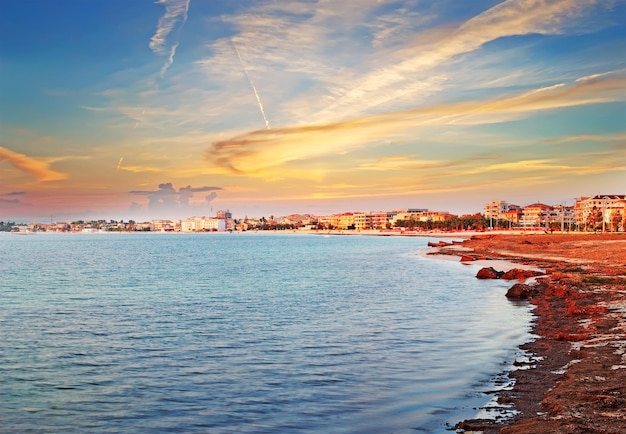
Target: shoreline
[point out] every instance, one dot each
(575, 378)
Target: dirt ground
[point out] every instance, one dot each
(576, 377)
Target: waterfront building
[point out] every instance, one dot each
(535, 214)
(202, 224)
(606, 212)
(495, 208)
(512, 216)
(345, 221)
(435, 216)
(372, 220)
(501, 210)
(163, 225)
(226, 215)
(407, 215)
(561, 216)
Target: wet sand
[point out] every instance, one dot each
(575, 378)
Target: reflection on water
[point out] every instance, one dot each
(245, 333)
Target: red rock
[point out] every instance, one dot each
(520, 291)
(489, 273)
(466, 258)
(519, 274)
(439, 244)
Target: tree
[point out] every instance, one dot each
(616, 220)
(593, 219)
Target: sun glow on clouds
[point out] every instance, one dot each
(365, 99)
(38, 169)
(258, 151)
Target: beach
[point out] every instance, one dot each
(574, 379)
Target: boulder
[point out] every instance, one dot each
(438, 244)
(466, 258)
(520, 291)
(519, 274)
(489, 273)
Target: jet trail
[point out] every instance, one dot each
(245, 71)
(120, 163)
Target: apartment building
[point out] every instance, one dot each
(533, 215)
(605, 211)
(512, 216)
(372, 220)
(495, 209)
(407, 215)
(502, 210)
(199, 224)
(163, 225)
(435, 216)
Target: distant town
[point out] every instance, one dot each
(606, 213)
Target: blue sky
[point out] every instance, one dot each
(140, 109)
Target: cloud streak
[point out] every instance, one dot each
(509, 18)
(39, 169)
(258, 152)
(256, 94)
(175, 17)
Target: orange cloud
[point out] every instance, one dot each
(39, 169)
(259, 152)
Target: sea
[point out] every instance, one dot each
(246, 333)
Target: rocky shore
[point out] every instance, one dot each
(575, 378)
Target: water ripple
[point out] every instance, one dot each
(244, 333)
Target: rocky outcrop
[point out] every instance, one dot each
(512, 274)
(489, 273)
(520, 274)
(576, 382)
(438, 244)
(520, 291)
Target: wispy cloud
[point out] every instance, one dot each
(320, 62)
(509, 18)
(257, 152)
(11, 201)
(175, 17)
(39, 169)
(412, 163)
(140, 169)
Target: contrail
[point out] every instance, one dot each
(167, 23)
(120, 163)
(245, 71)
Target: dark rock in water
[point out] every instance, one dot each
(489, 273)
(520, 291)
(466, 258)
(438, 244)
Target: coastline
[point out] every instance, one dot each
(575, 378)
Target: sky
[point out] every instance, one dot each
(141, 109)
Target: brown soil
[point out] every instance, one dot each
(577, 382)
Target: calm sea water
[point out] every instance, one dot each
(246, 333)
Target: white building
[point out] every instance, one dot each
(497, 208)
(606, 211)
(202, 224)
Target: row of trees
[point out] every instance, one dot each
(596, 222)
(8, 226)
(476, 222)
